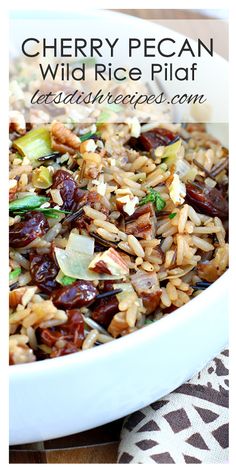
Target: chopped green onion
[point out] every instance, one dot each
(34, 144)
(154, 197)
(34, 202)
(67, 280)
(88, 135)
(52, 212)
(48, 212)
(30, 202)
(14, 273)
(172, 215)
(147, 322)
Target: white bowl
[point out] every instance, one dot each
(66, 395)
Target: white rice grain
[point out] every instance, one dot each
(183, 218)
(94, 214)
(135, 246)
(193, 216)
(90, 339)
(165, 297)
(53, 232)
(202, 244)
(106, 225)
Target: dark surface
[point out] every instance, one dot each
(82, 445)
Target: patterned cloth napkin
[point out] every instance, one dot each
(190, 425)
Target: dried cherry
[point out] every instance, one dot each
(207, 200)
(75, 295)
(33, 226)
(44, 270)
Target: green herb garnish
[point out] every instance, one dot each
(154, 197)
(88, 135)
(67, 280)
(27, 203)
(172, 215)
(14, 273)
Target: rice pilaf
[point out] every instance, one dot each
(109, 231)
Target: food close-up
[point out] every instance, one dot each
(119, 234)
(110, 232)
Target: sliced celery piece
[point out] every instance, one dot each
(34, 144)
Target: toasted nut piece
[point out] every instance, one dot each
(63, 139)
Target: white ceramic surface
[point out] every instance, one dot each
(62, 396)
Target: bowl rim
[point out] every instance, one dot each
(130, 341)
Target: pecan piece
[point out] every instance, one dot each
(63, 139)
(109, 262)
